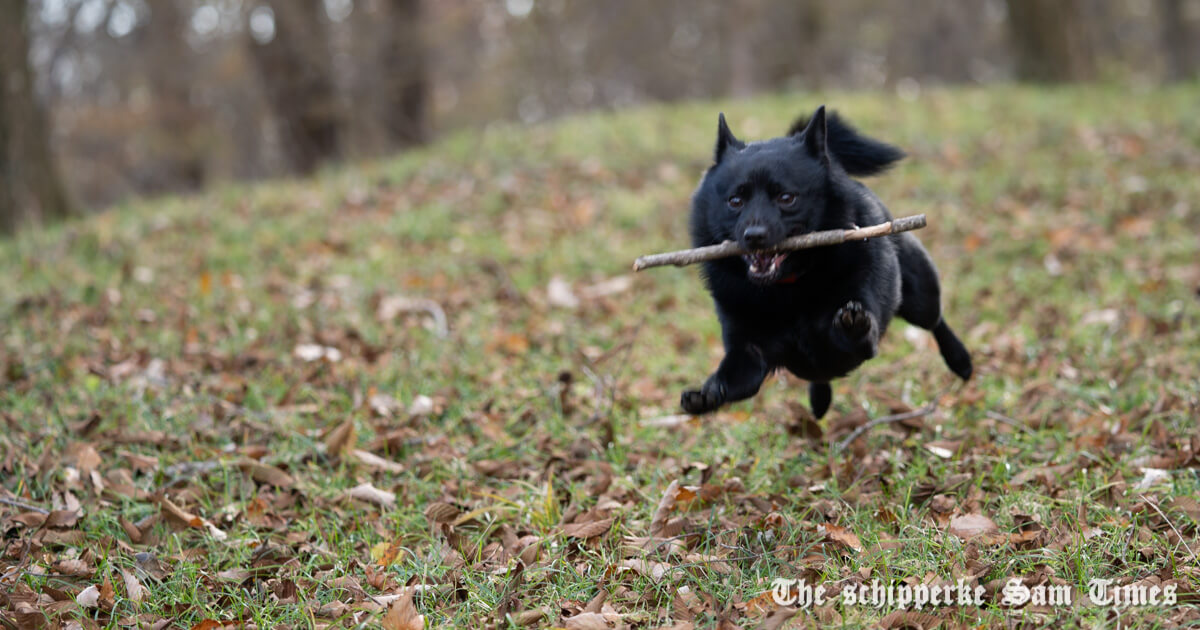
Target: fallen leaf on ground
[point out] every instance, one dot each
(371, 494)
(587, 530)
(589, 621)
(969, 526)
(1152, 477)
(89, 597)
(133, 587)
(663, 512)
(559, 293)
(266, 473)
(402, 614)
(341, 438)
(842, 536)
(375, 461)
(179, 515)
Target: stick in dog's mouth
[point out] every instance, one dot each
(812, 239)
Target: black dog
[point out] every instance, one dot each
(819, 312)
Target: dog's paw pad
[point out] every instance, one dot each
(853, 319)
(696, 401)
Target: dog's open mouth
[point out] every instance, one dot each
(764, 267)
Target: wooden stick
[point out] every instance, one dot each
(929, 408)
(686, 257)
(23, 505)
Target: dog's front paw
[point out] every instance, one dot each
(854, 320)
(701, 401)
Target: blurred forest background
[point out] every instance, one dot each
(104, 100)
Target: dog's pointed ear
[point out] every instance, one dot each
(815, 136)
(725, 139)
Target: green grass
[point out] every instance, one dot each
(1064, 224)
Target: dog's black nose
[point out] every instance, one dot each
(755, 236)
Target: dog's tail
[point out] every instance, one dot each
(858, 154)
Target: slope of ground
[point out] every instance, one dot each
(294, 403)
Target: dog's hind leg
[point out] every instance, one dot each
(819, 397)
(739, 376)
(920, 303)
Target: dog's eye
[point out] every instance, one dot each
(736, 202)
(786, 200)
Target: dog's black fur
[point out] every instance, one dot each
(818, 312)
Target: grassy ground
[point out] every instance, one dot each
(235, 415)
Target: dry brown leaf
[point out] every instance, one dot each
(713, 563)
(375, 461)
(843, 536)
(75, 567)
(527, 617)
(605, 288)
(759, 605)
(108, 594)
(530, 549)
(1048, 474)
(341, 438)
(61, 518)
(421, 405)
(402, 614)
(597, 603)
(668, 422)
(31, 520)
(777, 618)
(309, 352)
(383, 405)
(1187, 505)
(943, 448)
(662, 513)
(686, 605)
(332, 610)
(645, 568)
(134, 590)
(210, 624)
(233, 575)
(588, 530)
(178, 515)
(266, 473)
(587, 621)
(89, 597)
(386, 553)
(441, 512)
(969, 526)
(371, 494)
(910, 620)
(511, 343)
(84, 457)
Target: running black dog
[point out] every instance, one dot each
(818, 312)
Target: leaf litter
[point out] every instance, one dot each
(266, 433)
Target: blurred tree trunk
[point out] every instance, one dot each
(296, 70)
(179, 136)
(405, 79)
(743, 19)
(1177, 42)
(30, 186)
(1051, 40)
(9, 217)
